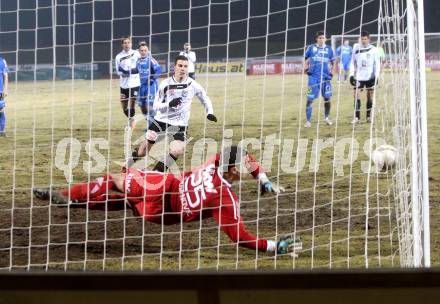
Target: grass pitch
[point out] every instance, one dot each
(345, 217)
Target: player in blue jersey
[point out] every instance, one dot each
(319, 65)
(3, 94)
(149, 71)
(343, 53)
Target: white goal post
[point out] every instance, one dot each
(408, 47)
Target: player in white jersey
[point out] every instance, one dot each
(191, 59)
(173, 106)
(125, 62)
(364, 73)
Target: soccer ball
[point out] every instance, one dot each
(384, 157)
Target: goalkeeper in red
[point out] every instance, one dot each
(168, 199)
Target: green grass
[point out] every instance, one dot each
(330, 209)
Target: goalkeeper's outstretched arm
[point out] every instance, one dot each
(228, 217)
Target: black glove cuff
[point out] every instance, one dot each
(352, 81)
(135, 154)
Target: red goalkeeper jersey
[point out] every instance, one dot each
(193, 196)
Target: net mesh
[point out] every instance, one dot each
(66, 126)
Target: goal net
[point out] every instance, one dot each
(65, 125)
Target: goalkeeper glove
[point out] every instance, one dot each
(284, 243)
(175, 102)
(211, 117)
(269, 187)
(352, 80)
(287, 242)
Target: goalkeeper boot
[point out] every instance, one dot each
(45, 194)
(58, 198)
(355, 121)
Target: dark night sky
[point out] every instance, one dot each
(222, 25)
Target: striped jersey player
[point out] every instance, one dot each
(188, 53)
(364, 73)
(173, 108)
(168, 199)
(171, 90)
(129, 82)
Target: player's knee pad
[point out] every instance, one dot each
(177, 147)
(151, 136)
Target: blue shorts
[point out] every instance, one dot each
(345, 65)
(2, 104)
(315, 86)
(147, 94)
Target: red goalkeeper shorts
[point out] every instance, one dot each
(149, 193)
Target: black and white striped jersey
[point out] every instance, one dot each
(365, 62)
(127, 61)
(170, 89)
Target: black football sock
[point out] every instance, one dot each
(160, 166)
(327, 106)
(131, 112)
(369, 107)
(358, 109)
